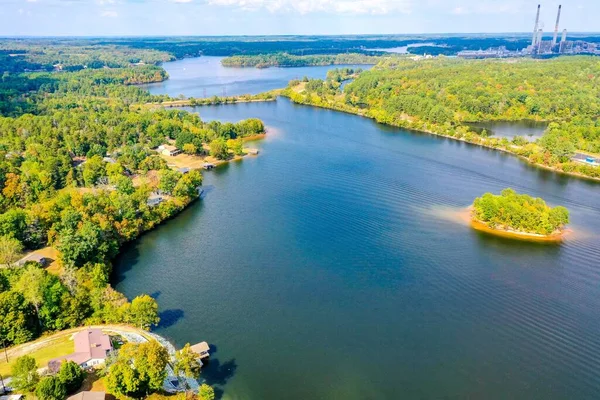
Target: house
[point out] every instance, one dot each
(169, 150)
(88, 396)
(91, 348)
(109, 160)
(154, 200)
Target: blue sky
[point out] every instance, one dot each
(257, 17)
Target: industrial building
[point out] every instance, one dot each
(540, 47)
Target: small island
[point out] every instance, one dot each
(519, 216)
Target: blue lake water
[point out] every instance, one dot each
(206, 77)
(330, 267)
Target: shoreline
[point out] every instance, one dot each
(363, 113)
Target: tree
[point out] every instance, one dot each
(93, 170)
(218, 149)
(189, 148)
(206, 392)
(51, 388)
(186, 362)
(18, 323)
(24, 373)
(10, 250)
(71, 375)
(144, 312)
(32, 284)
(168, 180)
(123, 381)
(236, 145)
(139, 370)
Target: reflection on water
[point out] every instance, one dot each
(530, 130)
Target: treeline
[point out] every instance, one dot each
(440, 95)
(20, 55)
(29, 92)
(519, 212)
(289, 60)
(33, 301)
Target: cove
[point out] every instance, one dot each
(325, 269)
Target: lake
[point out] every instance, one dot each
(329, 267)
(206, 77)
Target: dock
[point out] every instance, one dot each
(208, 166)
(201, 349)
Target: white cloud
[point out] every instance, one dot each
(460, 11)
(327, 6)
(181, 1)
(109, 14)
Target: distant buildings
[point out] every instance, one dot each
(539, 47)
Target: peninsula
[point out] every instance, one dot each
(519, 216)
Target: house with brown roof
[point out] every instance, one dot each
(88, 396)
(91, 348)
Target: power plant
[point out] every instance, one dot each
(539, 47)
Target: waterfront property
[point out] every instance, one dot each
(91, 349)
(169, 150)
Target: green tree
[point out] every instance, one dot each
(93, 170)
(32, 285)
(18, 323)
(206, 392)
(24, 373)
(71, 375)
(186, 362)
(51, 388)
(144, 312)
(123, 381)
(10, 250)
(218, 149)
(140, 369)
(168, 180)
(190, 148)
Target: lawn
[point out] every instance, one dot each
(61, 346)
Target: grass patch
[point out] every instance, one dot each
(61, 346)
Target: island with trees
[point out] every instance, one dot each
(519, 216)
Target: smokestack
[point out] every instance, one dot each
(556, 27)
(535, 28)
(564, 36)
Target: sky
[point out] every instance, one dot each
(273, 17)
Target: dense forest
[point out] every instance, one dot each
(441, 95)
(47, 54)
(78, 171)
(288, 60)
(519, 212)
